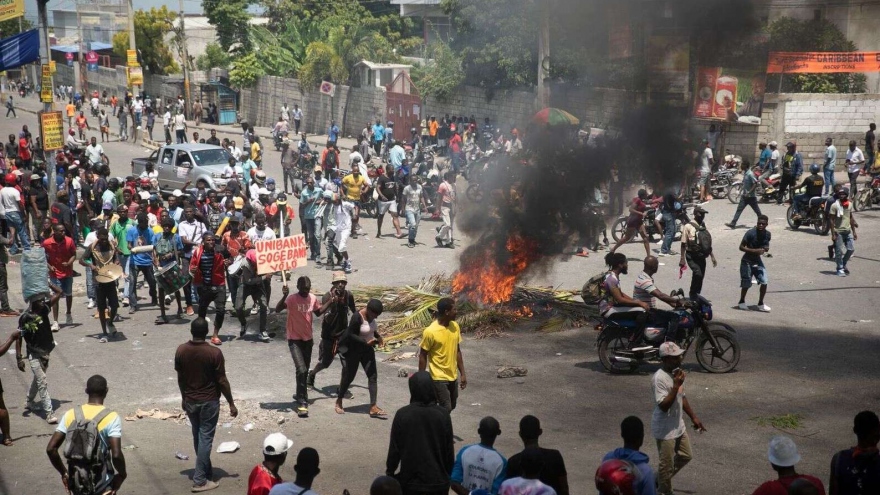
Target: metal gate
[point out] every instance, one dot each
(403, 105)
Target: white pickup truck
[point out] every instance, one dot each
(178, 164)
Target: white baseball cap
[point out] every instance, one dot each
(177, 193)
(144, 195)
(783, 452)
(276, 444)
(670, 349)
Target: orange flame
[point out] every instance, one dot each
(488, 280)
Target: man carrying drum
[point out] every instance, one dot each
(102, 258)
(169, 276)
(235, 242)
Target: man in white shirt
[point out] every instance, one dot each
(94, 152)
(166, 122)
(854, 161)
(95, 102)
(285, 113)
(260, 231)
(180, 127)
(343, 211)
(297, 118)
(235, 151)
(10, 203)
(667, 422)
(707, 159)
(356, 159)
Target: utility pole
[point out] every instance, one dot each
(42, 12)
(186, 89)
(543, 99)
(131, 42)
(77, 72)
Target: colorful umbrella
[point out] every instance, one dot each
(555, 116)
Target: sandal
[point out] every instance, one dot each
(339, 409)
(7, 442)
(216, 341)
(378, 413)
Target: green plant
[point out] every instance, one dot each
(245, 72)
(150, 28)
(791, 421)
(442, 77)
(214, 56)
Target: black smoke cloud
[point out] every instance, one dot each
(543, 195)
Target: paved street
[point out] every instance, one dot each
(813, 355)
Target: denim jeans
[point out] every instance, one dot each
(232, 283)
(301, 352)
(124, 260)
(743, 202)
(843, 249)
(203, 416)
(132, 283)
(13, 219)
(90, 284)
(853, 187)
(312, 238)
(668, 232)
(412, 224)
(4, 289)
(829, 180)
(39, 385)
(260, 298)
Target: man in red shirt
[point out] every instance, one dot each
(60, 255)
(783, 456)
(264, 476)
(300, 310)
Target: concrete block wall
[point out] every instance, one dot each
(506, 108)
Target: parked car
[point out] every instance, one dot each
(178, 164)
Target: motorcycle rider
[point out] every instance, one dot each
(792, 167)
(615, 305)
(814, 185)
(73, 144)
(95, 153)
(770, 165)
(645, 291)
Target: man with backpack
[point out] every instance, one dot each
(696, 246)
(95, 463)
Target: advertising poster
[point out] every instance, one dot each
(668, 64)
(46, 95)
(135, 76)
(132, 58)
(822, 62)
(52, 130)
(10, 9)
(731, 95)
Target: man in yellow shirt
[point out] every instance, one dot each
(354, 185)
(71, 112)
(257, 152)
(440, 354)
(109, 429)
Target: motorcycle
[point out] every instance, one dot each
(619, 227)
(815, 215)
(762, 193)
(716, 346)
(868, 196)
(277, 141)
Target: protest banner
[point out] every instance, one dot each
(285, 253)
(822, 62)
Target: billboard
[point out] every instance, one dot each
(10, 9)
(52, 130)
(668, 63)
(729, 95)
(822, 62)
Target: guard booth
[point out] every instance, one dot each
(224, 97)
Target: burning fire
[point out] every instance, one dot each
(485, 279)
(525, 312)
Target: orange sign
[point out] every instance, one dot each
(822, 62)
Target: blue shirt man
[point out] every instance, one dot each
(333, 133)
(764, 159)
(480, 466)
(396, 156)
(378, 133)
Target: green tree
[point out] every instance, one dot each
(214, 57)
(245, 71)
(10, 27)
(282, 51)
(792, 35)
(150, 29)
(232, 21)
(443, 76)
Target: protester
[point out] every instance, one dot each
(856, 471)
(339, 303)
(755, 243)
(208, 271)
(783, 456)
(446, 194)
(60, 255)
(747, 196)
(357, 347)
(34, 329)
(4, 412)
(253, 285)
(553, 472)
(5, 309)
(343, 211)
(707, 162)
(843, 231)
(191, 231)
(635, 223)
(141, 235)
(696, 246)
(479, 466)
(440, 354)
(632, 430)
(301, 307)
(103, 470)
(528, 483)
(422, 442)
(201, 377)
(387, 190)
(306, 468)
(667, 422)
(167, 248)
(854, 161)
(413, 201)
(830, 164)
(265, 475)
(102, 254)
